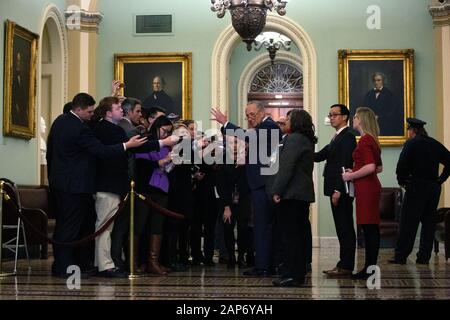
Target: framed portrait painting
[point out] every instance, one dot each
(382, 80)
(19, 81)
(157, 79)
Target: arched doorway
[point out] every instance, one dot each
(52, 81)
(290, 69)
(220, 70)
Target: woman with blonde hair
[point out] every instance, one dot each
(367, 163)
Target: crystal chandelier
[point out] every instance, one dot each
(248, 16)
(272, 41)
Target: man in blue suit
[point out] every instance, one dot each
(264, 128)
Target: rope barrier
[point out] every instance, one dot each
(76, 243)
(156, 207)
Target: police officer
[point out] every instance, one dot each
(418, 172)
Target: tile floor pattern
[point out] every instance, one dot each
(397, 282)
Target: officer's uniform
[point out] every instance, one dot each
(418, 172)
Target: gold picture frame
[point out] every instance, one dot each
(138, 70)
(19, 100)
(393, 102)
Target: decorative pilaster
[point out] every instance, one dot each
(80, 19)
(83, 29)
(440, 11)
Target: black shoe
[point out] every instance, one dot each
(179, 267)
(397, 261)
(112, 273)
(231, 262)
(362, 275)
(288, 282)
(275, 271)
(91, 271)
(223, 260)
(209, 263)
(196, 261)
(257, 273)
(83, 276)
(422, 261)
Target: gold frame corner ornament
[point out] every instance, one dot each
(120, 59)
(405, 55)
(12, 29)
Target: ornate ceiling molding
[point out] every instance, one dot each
(440, 11)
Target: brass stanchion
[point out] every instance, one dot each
(132, 257)
(2, 195)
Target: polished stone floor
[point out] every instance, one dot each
(397, 282)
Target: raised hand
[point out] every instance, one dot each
(171, 140)
(135, 141)
(115, 88)
(219, 116)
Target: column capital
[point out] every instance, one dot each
(82, 20)
(440, 11)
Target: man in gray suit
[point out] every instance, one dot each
(131, 121)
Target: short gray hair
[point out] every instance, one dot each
(129, 104)
(258, 104)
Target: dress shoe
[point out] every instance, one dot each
(209, 263)
(257, 273)
(179, 267)
(91, 271)
(362, 275)
(112, 273)
(223, 260)
(83, 276)
(421, 261)
(396, 261)
(196, 261)
(338, 272)
(288, 282)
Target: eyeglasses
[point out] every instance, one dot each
(332, 115)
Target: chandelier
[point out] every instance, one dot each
(272, 42)
(248, 16)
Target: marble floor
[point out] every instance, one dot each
(410, 281)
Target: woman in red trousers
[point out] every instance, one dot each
(367, 164)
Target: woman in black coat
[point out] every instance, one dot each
(292, 190)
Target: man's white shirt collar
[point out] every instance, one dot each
(340, 130)
(76, 115)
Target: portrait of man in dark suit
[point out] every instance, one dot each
(155, 84)
(386, 105)
(379, 85)
(159, 98)
(20, 89)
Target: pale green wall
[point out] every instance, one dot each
(332, 25)
(18, 157)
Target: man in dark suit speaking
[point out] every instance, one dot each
(71, 152)
(338, 154)
(386, 106)
(262, 206)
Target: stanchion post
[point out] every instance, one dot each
(1, 231)
(132, 257)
